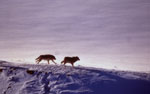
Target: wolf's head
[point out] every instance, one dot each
(53, 57)
(76, 58)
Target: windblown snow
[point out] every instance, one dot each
(58, 79)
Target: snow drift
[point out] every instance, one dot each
(57, 79)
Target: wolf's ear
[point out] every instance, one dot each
(77, 57)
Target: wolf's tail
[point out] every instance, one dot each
(37, 59)
(62, 62)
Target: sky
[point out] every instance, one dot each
(112, 34)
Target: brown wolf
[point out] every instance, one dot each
(71, 60)
(47, 57)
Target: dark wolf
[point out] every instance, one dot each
(46, 57)
(70, 60)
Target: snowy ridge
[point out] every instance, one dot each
(57, 79)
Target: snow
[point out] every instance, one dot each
(58, 79)
(115, 32)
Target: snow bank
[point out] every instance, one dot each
(57, 79)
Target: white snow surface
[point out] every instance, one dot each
(58, 79)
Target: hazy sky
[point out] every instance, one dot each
(103, 33)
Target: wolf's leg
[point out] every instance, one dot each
(72, 65)
(65, 64)
(54, 62)
(48, 61)
(38, 61)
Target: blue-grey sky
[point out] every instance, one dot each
(103, 33)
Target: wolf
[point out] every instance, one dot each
(47, 57)
(70, 60)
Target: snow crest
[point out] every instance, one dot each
(55, 79)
